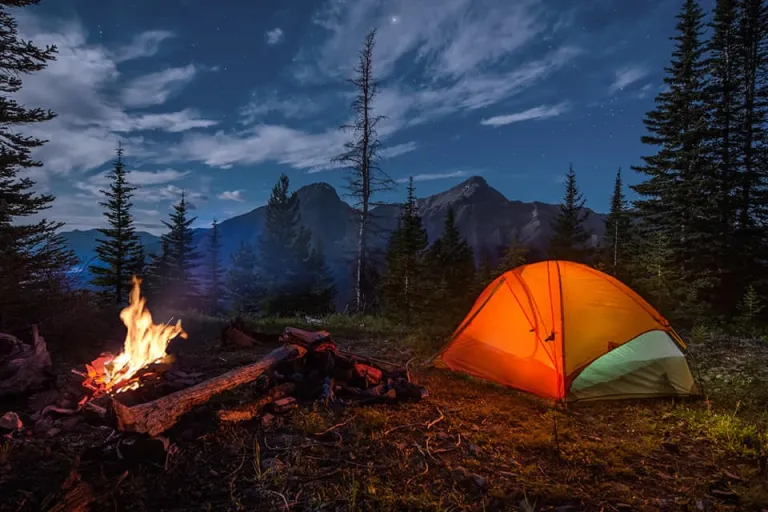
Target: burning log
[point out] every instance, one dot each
(159, 415)
(22, 366)
(249, 411)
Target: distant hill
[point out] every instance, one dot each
(486, 218)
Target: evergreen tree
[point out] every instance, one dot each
(365, 177)
(570, 237)
(673, 198)
(182, 258)
(402, 287)
(242, 280)
(317, 291)
(750, 251)
(617, 243)
(119, 247)
(514, 256)
(157, 271)
(214, 270)
(283, 247)
(452, 271)
(138, 264)
(33, 256)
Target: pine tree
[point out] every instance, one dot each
(33, 256)
(158, 272)
(617, 243)
(402, 287)
(119, 247)
(319, 289)
(182, 257)
(284, 247)
(365, 177)
(515, 255)
(569, 235)
(242, 280)
(452, 272)
(750, 252)
(138, 264)
(672, 197)
(714, 225)
(214, 270)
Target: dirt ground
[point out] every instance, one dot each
(469, 446)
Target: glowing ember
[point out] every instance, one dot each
(145, 343)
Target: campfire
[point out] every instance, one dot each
(145, 344)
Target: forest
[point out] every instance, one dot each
(693, 242)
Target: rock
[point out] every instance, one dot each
(53, 432)
(473, 449)
(11, 421)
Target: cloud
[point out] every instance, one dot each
(145, 44)
(644, 91)
(141, 178)
(452, 37)
(274, 36)
(232, 195)
(83, 86)
(397, 150)
(157, 88)
(262, 104)
(626, 76)
(435, 176)
(535, 113)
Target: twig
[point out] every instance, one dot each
(438, 420)
(402, 426)
(407, 372)
(285, 500)
(334, 427)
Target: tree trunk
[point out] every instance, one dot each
(159, 415)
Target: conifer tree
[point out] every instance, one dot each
(182, 257)
(282, 247)
(157, 271)
(365, 177)
(33, 256)
(402, 287)
(452, 271)
(569, 235)
(616, 244)
(671, 197)
(515, 255)
(118, 249)
(750, 251)
(242, 280)
(214, 270)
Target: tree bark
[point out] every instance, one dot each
(249, 411)
(159, 415)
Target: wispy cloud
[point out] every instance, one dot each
(80, 87)
(436, 176)
(535, 113)
(157, 88)
(626, 76)
(274, 36)
(232, 195)
(263, 103)
(141, 178)
(397, 150)
(145, 44)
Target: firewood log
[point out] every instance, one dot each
(249, 411)
(159, 415)
(23, 366)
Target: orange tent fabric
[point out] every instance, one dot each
(539, 326)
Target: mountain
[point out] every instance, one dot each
(486, 218)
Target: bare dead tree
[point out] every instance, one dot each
(364, 178)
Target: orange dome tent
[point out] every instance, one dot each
(563, 330)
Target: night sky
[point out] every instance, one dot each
(219, 101)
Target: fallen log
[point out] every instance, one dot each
(22, 366)
(159, 415)
(249, 411)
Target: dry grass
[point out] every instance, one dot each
(469, 446)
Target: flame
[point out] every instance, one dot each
(145, 343)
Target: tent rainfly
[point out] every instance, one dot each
(566, 331)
